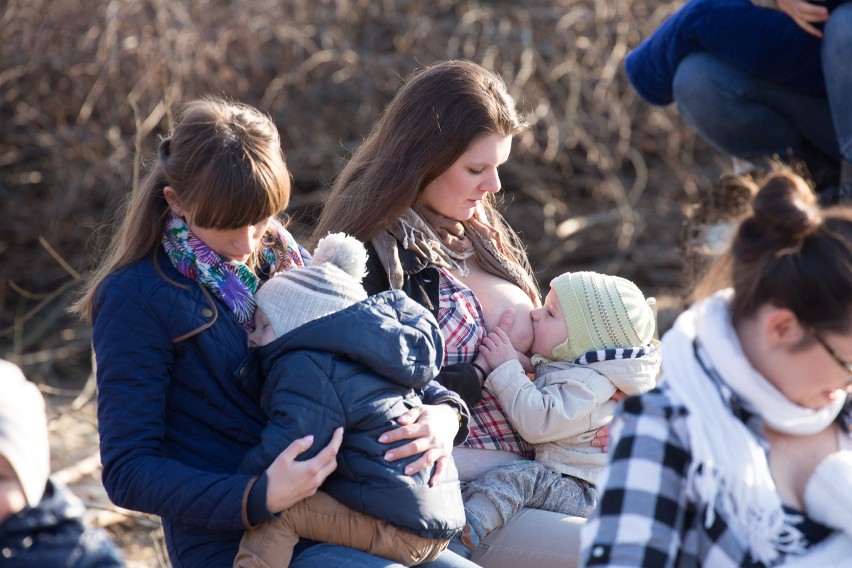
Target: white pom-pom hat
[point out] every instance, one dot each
(329, 284)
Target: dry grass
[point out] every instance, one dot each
(601, 181)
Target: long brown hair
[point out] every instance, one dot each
(427, 126)
(792, 254)
(223, 159)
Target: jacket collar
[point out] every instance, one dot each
(411, 262)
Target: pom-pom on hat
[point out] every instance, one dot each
(329, 284)
(601, 312)
(23, 431)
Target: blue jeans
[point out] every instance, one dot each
(749, 118)
(752, 119)
(322, 555)
(836, 50)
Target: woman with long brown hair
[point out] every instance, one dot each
(420, 189)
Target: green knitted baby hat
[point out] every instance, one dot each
(601, 312)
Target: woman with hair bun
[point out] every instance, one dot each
(742, 454)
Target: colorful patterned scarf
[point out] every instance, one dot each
(231, 281)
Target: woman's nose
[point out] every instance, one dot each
(492, 183)
(534, 314)
(246, 240)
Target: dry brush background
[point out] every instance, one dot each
(601, 181)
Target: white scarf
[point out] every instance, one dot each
(729, 467)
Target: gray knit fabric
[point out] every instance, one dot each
(498, 495)
(332, 282)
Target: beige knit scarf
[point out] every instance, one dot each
(449, 243)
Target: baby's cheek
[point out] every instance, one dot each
(12, 498)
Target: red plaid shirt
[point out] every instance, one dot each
(460, 318)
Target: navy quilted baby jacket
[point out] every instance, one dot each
(361, 368)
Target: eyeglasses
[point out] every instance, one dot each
(847, 365)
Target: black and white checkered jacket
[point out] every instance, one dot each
(645, 515)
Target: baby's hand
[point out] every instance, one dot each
(497, 348)
(525, 362)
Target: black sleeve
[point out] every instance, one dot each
(463, 379)
(376, 279)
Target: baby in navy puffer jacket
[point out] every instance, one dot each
(334, 358)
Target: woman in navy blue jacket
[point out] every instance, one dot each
(171, 306)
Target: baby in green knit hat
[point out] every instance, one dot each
(593, 338)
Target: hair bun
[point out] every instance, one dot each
(786, 208)
(343, 251)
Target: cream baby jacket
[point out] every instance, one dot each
(560, 412)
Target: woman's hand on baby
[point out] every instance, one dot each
(431, 429)
(290, 481)
(601, 439)
(497, 348)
